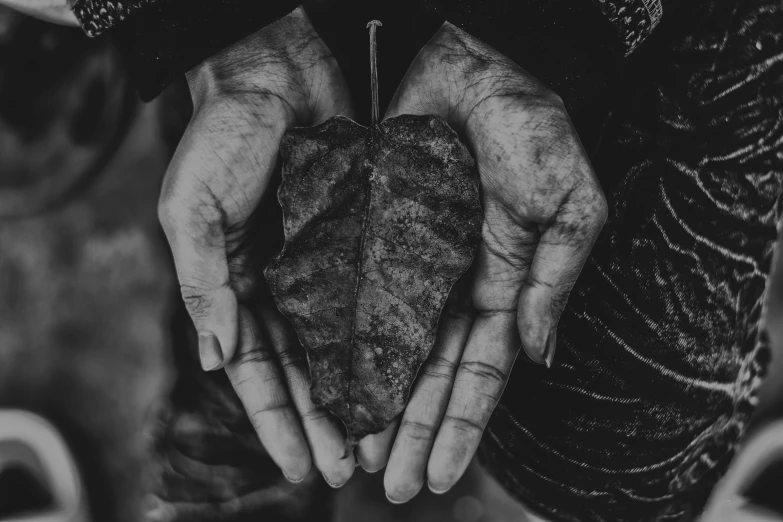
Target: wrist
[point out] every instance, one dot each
(279, 64)
(480, 80)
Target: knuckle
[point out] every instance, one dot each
(548, 120)
(257, 354)
(469, 427)
(197, 213)
(196, 302)
(419, 431)
(458, 311)
(167, 212)
(439, 367)
(315, 415)
(277, 400)
(244, 281)
(554, 101)
(290, 357)
(486, 372)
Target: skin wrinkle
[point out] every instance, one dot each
(501, 226)
(486, 372)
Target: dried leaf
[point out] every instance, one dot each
(379, 224)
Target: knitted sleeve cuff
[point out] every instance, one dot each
(96, 16)
(633, 20)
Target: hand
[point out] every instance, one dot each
(543, 209)
(245, 98)
(732, 499)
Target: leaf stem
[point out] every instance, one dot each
(374, 69)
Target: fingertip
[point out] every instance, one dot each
(535, 337)
(396, 502)
(337, 472)
(227, 322)
(541, 350)
(449, 460)
(438, 490)
(368, 468)
(373, 451)
(294, 481)
(338, 480)
(299, 471)
(551, 346)
(400, 491)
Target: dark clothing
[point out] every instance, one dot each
(659, 351)
(575, 46)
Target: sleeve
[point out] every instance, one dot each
(96, 16)
(160, 40)
(633, 20)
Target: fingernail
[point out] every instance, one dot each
(292, 481)
(437, 491)
(209, 351)
(335, 486)
(394, 501)
(551, 345)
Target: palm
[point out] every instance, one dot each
(245, 98)
(543, 209)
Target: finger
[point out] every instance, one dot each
(479, 382)
(215, 180)
(323, 431)
(373, 451)
(199, 249)
(405, 473)
(559, 257)
(737, 509)
(762, 451)
(260, 385)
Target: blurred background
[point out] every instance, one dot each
(88, 297)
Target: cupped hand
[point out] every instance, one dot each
(245, 98)
(543, 209)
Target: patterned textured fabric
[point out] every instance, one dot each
(96, 16)
(633, 19)
(659, 352)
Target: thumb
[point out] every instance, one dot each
(194, 220)
(214, 183)
(556, 265)
(198, 245)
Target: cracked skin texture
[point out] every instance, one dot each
(379, 223)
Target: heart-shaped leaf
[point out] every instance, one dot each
(379, 223)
